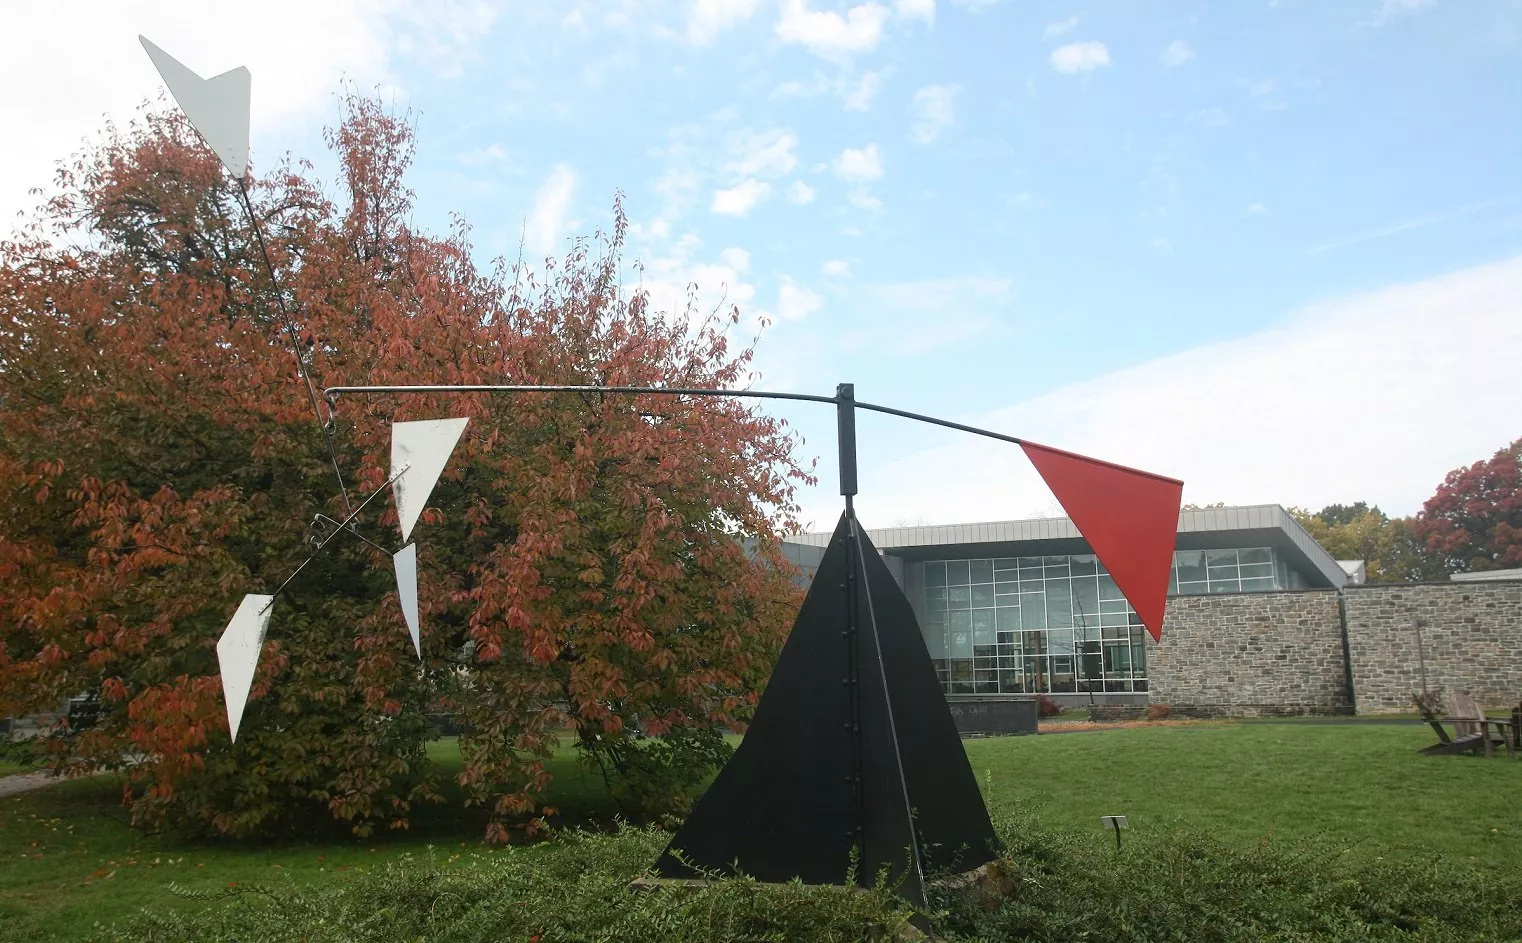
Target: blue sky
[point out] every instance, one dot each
(1271, 248)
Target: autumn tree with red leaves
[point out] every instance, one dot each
(1474, 521)
(584, 564)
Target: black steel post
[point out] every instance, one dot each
(845, 423)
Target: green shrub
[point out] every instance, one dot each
(1054, 886)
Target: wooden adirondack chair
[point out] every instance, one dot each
(1471, 728)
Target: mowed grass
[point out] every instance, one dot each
(1358, 786)
(67, 861)
(68, 858)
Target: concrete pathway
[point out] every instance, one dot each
(24, 782)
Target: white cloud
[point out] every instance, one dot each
(492, 154)
(829, 34)
(64, 74)
(863, 199)
(934, 108)
(858, 165)
(836, 268)
(794, 302)
(715, 286)
(740, 199)
(1054, 30)
(916, 10)
(552, 204)
(800, 193)
(770, 153)
(859, 97)
(1161, 244)
(1177, 53)
(1080, 57)
(1375, 397)
(711, 17)
(974, 5)
(575, 22)
(1390, 9)
(1255, 209)
(736, 258)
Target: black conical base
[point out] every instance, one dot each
(852, 746)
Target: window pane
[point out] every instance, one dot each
(935, 574)
(1059, 605)
(1220, 558)
(1224, 586)
(1007, 599)
(1257, 570)
(983, 627)
(1085, 596)
(935, 640)
(1191, 566)
(1186, 589)
(961, 597)
(1029, 562)
(982, 571)
(1005, 563)
(1008, 620)
(1108, 589)
(1256, 555)
(1258, 584)
(1032, 611)
(956, 573)
(983, 595)
(1084, 566)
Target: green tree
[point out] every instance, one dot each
(1389, 547)
(582, 565)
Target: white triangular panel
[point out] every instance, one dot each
(217, 107)
(405, 561)
(424, 448)
(238, 654)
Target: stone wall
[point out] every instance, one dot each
(1251, 654)
(1471, 637)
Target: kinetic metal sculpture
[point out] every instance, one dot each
(852, 748)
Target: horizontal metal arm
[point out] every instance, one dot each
(333, 392)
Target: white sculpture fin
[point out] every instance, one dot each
(405, 561)
(424, 448)
(238, 654)
(217, 107)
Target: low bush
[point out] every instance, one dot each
(1163, 886)
(1159, 712)
(1046, 707)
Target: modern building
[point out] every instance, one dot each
(1024, 607)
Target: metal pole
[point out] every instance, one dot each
(1421, 653)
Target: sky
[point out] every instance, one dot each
(1271, 248)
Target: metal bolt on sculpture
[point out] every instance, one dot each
(852, 749)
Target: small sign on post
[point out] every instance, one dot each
(1116, 822)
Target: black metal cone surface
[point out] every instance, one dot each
(786, 805)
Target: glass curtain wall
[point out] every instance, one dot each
(1027, 625)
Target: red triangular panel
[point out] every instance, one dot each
(1129, 518)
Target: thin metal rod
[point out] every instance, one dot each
(290, 330)
(332, 393)
(328, 539)
(864, 592)
(353, 532)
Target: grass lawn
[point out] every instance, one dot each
(1360, 786)
(12, 768)
(66, 861)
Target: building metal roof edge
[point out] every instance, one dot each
(1191, 520)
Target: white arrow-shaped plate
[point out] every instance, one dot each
(217, 107)
(423, 449)
(238, 654)
(405, 561)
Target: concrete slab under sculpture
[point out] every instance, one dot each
(217, 107)
(238, 654)
(405, 561)
(423, 448)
